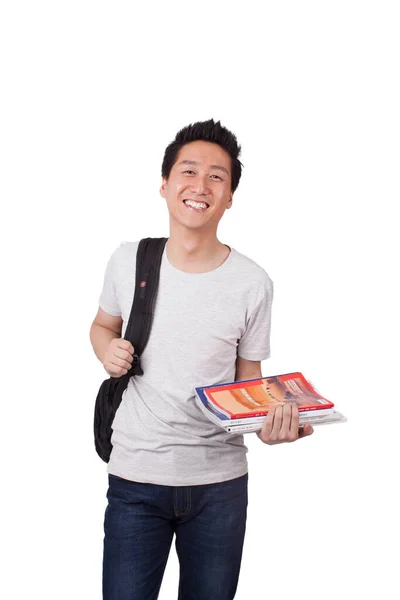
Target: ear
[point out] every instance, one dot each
(162, 188)
(230, 200)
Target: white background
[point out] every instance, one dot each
(91, 94)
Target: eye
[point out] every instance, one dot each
(188, 171)
(217, 176)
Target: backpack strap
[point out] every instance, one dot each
(148, 262)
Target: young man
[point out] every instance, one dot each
(171, 470)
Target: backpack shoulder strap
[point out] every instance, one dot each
(148, 262)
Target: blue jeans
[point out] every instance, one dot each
(209, 523)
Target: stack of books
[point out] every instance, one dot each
(242, 406)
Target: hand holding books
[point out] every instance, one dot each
(282, 425)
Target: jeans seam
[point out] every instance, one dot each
(180, 513)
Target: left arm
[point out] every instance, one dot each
(247, 369)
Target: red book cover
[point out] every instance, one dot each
(255, 397)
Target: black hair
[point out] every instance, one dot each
(207, 131)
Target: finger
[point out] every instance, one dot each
(268, 424)
(124, 355)
(294, 425)
(307, 429)
(119, 362)
(278, 416)
(116, 371)
(125, 345)
(283, 434)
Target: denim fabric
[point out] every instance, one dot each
(209, 523)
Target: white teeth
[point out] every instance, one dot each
(195, 204)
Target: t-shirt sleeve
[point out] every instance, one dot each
(255, 342)
(108, 299)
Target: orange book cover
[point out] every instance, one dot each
(255, 397)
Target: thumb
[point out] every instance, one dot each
(306, 430)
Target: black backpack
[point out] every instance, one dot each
(148, 261)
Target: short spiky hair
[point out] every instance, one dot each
(206, 131)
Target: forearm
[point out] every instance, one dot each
(100, 338)
(247, 369)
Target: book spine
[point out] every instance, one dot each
(302, 410)
(303, 416)
(245, 421)
(244, 428)
(208, 413)
(312, 419)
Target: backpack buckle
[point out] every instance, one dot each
(136, 368)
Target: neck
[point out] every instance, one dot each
(195, 251)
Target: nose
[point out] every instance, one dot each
(200, 185)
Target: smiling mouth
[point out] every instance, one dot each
(197, 206)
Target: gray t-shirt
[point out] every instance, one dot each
(201, 322)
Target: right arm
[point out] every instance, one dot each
(115, 353)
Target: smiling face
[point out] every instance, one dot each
(198, 189)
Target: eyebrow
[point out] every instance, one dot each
(196, 164)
